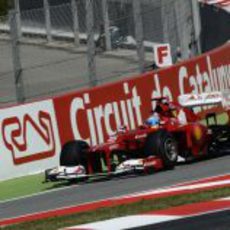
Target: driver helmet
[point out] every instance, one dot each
(153, 120)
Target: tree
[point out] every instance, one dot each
(4, 6)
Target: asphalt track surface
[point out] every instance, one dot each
(88, 192)
(212, 221)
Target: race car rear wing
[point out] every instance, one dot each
(204, 99)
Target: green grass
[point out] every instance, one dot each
(24, 186)
(121, 210)
(222, 119)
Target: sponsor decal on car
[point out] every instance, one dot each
(197, 132)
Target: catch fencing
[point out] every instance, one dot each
(60, 46)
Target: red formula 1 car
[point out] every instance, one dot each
(173, 131)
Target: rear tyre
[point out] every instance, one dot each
(162, 144)
(74, 153)
(220, 141)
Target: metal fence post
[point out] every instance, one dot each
(16, 57)
(178, 28)
(75, 22)
(90, 43)
(106, 24)
(47, 20)
(196, 23)
(18, 17)
(165, 21)
(139, 34)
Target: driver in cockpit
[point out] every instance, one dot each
(153, 120)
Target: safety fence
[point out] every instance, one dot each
(92, 41)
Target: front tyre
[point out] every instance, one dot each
(74, 153)
(162, 144)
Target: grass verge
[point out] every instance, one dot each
(222, 119)
(121, 210)
(24, 186)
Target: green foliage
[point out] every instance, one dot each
(4, 5)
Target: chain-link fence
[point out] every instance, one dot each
(7, 85)
(64, 45)
(163, 21)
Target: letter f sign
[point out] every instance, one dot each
(162, 55)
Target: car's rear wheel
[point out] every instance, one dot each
(220, 141)
(162, 144)
(74, 153)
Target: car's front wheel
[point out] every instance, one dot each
(74, 153)
(161, 143)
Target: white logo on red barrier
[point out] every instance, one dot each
(31, 135)
(105, 116)
(162, 55)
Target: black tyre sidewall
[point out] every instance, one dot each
(74, 153)
(155, 145)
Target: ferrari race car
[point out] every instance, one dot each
(173, 131)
